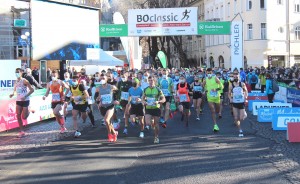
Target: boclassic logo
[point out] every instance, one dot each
(163, 18)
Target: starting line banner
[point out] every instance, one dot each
(163, 21)
(258, 105)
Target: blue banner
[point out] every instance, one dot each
(293, 96)
(266, 114)
(250, 103)
(280, 121)
(256, 94)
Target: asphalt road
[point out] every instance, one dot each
(191, 154)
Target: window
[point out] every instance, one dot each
(249, 4)
(250, 32)
(297, 33)
(228, 10)
(297, 6)
(263, 31)
(262, 4)
(279, 2)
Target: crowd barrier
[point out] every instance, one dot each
(283, 113)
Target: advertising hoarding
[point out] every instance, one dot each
(162, 21)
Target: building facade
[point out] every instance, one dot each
(271, 32)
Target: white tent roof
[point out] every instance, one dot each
(105, 60)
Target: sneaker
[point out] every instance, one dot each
(21, 134)
(220, 116)
(94, 126)
(110, 137)
(125, 131)
(115, 136)
(164, 125)
(156, 140)
(241, 134)
(198, 119)
(216, 128)
(77, 134)
(63, 130)
(161, 120)
(103, 123)
(141, 135)
(147, 127)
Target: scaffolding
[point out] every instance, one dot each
(7, 41)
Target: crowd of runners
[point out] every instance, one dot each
(146, 97)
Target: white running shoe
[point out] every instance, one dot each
(77, 134)
(147, 127)
(156, 140)
(141, 134)
(241, 134)
(125, 131)
(198, 119)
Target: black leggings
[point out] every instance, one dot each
(271, 97)
(90, 114)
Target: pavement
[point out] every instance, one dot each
(191, 154)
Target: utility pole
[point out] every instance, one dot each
(288, 32)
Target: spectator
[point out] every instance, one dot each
(27, 75)
(242, 75)
(49, 75)
(252, 79)
(269, 86)
(262, 78)
(35, 74)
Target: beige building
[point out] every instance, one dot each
(271, 32)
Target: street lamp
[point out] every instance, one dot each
(26, 38)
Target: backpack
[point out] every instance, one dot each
(275, 87)
(253, 79)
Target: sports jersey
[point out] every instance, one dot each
(79, 97)
(183, 92)
(123, 89)
(238, 94)
(21, 90)
(211, 85)
(135, 94)
(56, 89)
(152, 95)
(166, 86)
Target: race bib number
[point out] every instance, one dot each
(21, 91)
(106, 99)
(213, 93)
(238, 95)
(78, 99)
(133, 99)
(183, 98)
(56, 97)
(165, 92)
(124, 95)
(197, 88)
(151, 101)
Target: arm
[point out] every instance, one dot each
(47, 92)
(220, 84)
(246, 91)
(31, 90)
(13, 93)
(162, 98)
(32, 81)
(229, 91)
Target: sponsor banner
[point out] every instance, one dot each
(213, 28)
(8, 76)
(163, 21)
(257, 105)
(250, 103)
(237, 56)
(293, 96)
(266, 114)
(280, 121)
(292, 132)
(38, 110)
(281, 94)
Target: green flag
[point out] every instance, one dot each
(162, 57)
